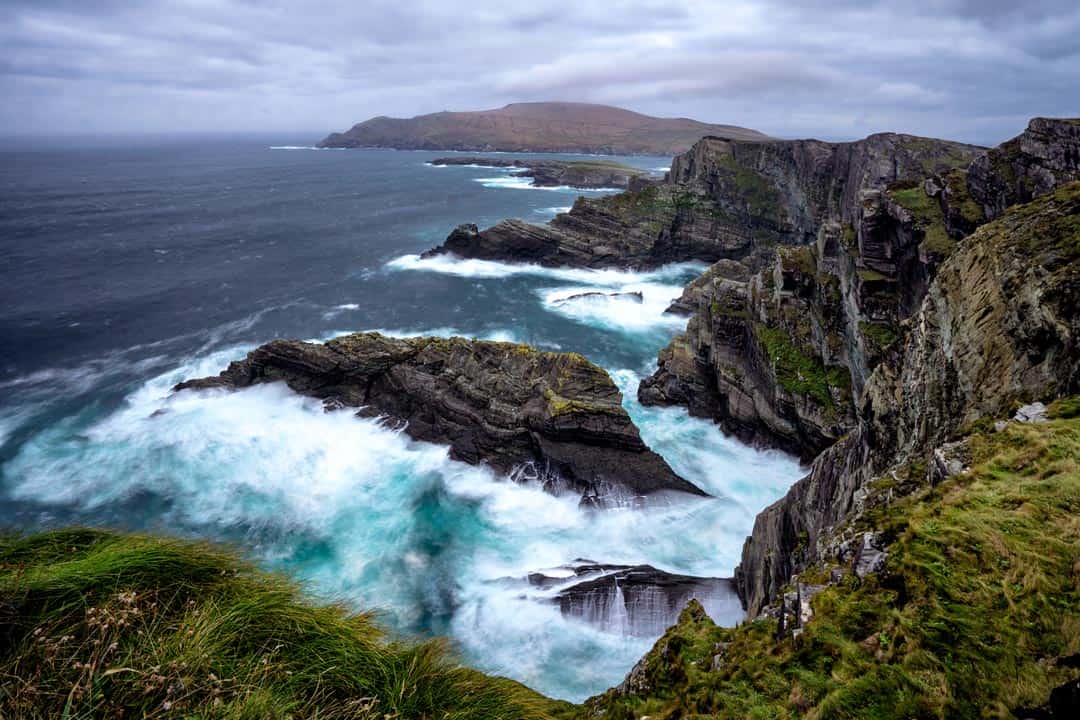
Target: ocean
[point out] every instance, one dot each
(125, 269)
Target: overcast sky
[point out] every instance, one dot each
(966, 69)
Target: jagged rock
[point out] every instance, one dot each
(691, 296)
(552, 417)
(642, 600)
(1044, 156)
(1032, 413)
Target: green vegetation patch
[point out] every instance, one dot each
(650, 203)
(928, 218)
(973, 615)
(878, 336)
(798, 373)
(99, 624)
(762, 199)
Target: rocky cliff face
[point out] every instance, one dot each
(777, 356)
(552, 418)
(1046, 155)
(998, 326)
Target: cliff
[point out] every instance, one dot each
(781, 356)
(536, 127)
(955, 601)
(998, 327)
(551, 418)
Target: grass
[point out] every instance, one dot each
(801, 374)
(99, 624)
(975, 614)
(928, 218)
(758, 195)
(878, 336)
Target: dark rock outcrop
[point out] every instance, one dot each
(553, 418)
(641, 600)
(584, 174)
(536, 127)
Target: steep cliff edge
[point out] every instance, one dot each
(552, 418)
(955, 601)
(998, 327)
(779, 357)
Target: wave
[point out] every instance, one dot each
(363, 513)
(471, 268)
(626, 307)
(558, 210)
(294, 147)
(525, 183)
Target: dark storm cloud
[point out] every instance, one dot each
(971, 69)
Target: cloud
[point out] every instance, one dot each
(970, 69)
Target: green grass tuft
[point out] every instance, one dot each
(100, 624)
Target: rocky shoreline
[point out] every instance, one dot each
(550, 418)
(583, 174)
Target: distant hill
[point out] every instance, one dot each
(537, 127)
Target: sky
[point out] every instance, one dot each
(973, 70)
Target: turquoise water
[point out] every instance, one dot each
(128, 270)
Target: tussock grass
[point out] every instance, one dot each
(100, 624)
(976, 613)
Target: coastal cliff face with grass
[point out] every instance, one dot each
(900, 310)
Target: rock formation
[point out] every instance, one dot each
(536, 127)
(642, 600)
(583, 174)
(998, 326)
(553, 418)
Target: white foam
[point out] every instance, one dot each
(558, 210)
(467, 267)
(401, 525)
(294, 147)
(514, 182)
(626, 307)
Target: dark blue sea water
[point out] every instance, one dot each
(126, 269)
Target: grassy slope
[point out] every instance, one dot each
(96, 624)
(977, 606)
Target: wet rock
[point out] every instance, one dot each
(642, 600)
(554, 418)
(636, 296)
